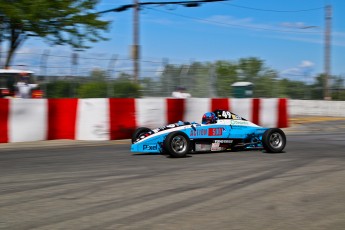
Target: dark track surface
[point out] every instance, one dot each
(107, 187)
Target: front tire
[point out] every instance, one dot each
(139, 132)
(177, 144)
(274, 140)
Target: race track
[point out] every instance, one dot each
(107, 187)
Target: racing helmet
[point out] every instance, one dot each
(209, 118)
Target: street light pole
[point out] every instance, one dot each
(135, 46)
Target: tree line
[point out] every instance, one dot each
(198, 79)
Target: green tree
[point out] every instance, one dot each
(250, 68)
(338, 95)
(93, 90)
(70, 22)
(265, 80)
(124, 87)
(98, 75)
(61, 89)
(226, 76)
(296, 90)
(169, 79)
(96, 87)
(338, 82)
(199, 80)
(337, 88)
(283, 88)
(150, 87)
(267, 84)
(317, 88)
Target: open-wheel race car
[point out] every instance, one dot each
(220, 130)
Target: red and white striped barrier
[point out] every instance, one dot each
(117, 118)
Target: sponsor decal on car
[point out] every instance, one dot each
(198, 132)
(216, 147)
(150, 147)
(223, 141)
(239, 122)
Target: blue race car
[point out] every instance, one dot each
(220, 130)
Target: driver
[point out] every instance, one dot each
(209, 118)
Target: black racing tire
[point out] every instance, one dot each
(177, 144)
(138, 132)
(274, 140)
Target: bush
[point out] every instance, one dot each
(93, 90)
(126, 89)
(61, 89)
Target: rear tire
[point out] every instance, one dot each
(177, 144)
(138, 132)
(274, 140)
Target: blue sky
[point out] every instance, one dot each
(287, 35)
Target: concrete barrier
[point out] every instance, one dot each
(316, 108)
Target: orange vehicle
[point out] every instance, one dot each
(11, 78)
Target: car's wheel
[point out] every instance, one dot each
(177, 144)
(138, 132)
(274, 140)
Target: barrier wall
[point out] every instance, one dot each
(317, 108)
(115, 118)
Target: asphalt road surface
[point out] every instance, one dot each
(107, 187)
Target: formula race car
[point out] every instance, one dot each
(220, 130)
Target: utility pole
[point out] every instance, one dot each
(328, 23)
(135, 47)
(1, 32)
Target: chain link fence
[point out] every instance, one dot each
(161, 77)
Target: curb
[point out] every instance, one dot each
(59, 143)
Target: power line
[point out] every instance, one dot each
(234, 25)
(195, 3)
(271, 10)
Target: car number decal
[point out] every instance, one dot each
(215, 132)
